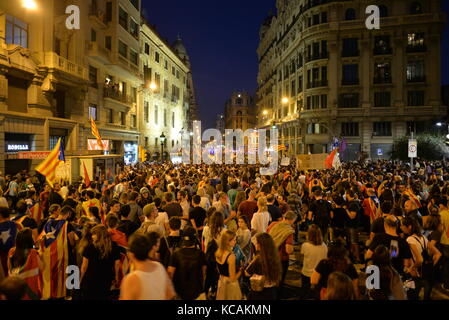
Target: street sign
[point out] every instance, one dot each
(412, 148)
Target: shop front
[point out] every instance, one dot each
(15, 143)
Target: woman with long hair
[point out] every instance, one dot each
(213, 228)
(261, 219)
(265, 269)
(314, 250)
(391, 287)
(100, 266)
(228, 285)
(239, 198)
(337, 260)
(339, 287)
(244, 236)
(24, 261)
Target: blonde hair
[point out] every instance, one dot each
(262, 204)
(223, 243)
(1, 192)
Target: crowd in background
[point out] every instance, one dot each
(164, 231)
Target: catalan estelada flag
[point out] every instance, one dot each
(412, 197)
(48, 167)
(96, 133)
(54, 251)
(281, 147)
(86, 176)
(36, 212)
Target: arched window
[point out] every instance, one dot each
(350, 14)
(239, 120)
(416, 8)
(383, 10)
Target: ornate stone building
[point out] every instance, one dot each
(240, 112)
(323, 74)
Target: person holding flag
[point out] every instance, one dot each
(48, 167)
(56, 242)
(333, 160)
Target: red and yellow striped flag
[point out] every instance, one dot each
(48, 167)
(96, 133)
(37, 213)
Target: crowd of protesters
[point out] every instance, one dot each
(164, 231)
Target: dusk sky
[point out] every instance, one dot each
(221, 38)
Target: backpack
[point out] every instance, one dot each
(322, 216)
(427, 264)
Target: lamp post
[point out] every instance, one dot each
(162, 139)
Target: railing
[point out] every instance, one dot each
(316, 84)
(417, 79)
(322, 55)
(53, 60)
(382, 80)
(381, 51)
(113, 93)
(414, 49)
(350, 82)
(94, 48)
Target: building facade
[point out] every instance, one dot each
(54, 80)
(166, 98)
(322, 74)
(240, 112)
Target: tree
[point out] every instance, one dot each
(430, 147)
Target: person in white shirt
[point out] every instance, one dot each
(205, 202)
(261, 219)
(183, 200)
(314, 250)
(149, 280)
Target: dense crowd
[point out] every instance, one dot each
(164, 231)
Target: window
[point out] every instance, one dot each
(293, 93)
(134, 94)
(165, 117)
(173, 70)
(350, 14)
(133, 57)
(383, 11)
(382, 45)
(135, 3)
(108, 42)
(416, 127)
(110, 115)
(415, 98)
(350, 47)
(416, 8)
(309, 103)
(172, 143)
(16, 31)
(350, 74)
(133, 121)
(123, 18)
(349, 100)
(316, 19)
(109, 11)
(315, 102)
(156, 115)
(316, 128)
(323, 17)
(166, 90)
(173, 119)
(147, 75)
(93, 112)
(133, 28)
(147, 49)
(93, 35)
(156, 57)
(415, 42)
(382, 99)
(324, 75)
(122, 117)
(382, 129)
(350, 129)
(93, 77)
(146, 142)
(123, 49)
(324, 101)
(415, 71)
(166, 65)
(157, 81)
(146, 109)
(382, 72)
(177, 74)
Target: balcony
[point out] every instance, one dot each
(98, 52)
(350, 82)
(52, 60)
(317, 84)
(111, 92)
(416, 79)
(382, 51)
(98, 17)
(322, 55)
(382, 80)
(416, 49)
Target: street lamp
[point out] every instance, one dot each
(29, 4)
(162, 139)
(153, 86)
(285, 100)
(265, 112)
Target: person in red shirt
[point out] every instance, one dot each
(282, 233)
(248, 207)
